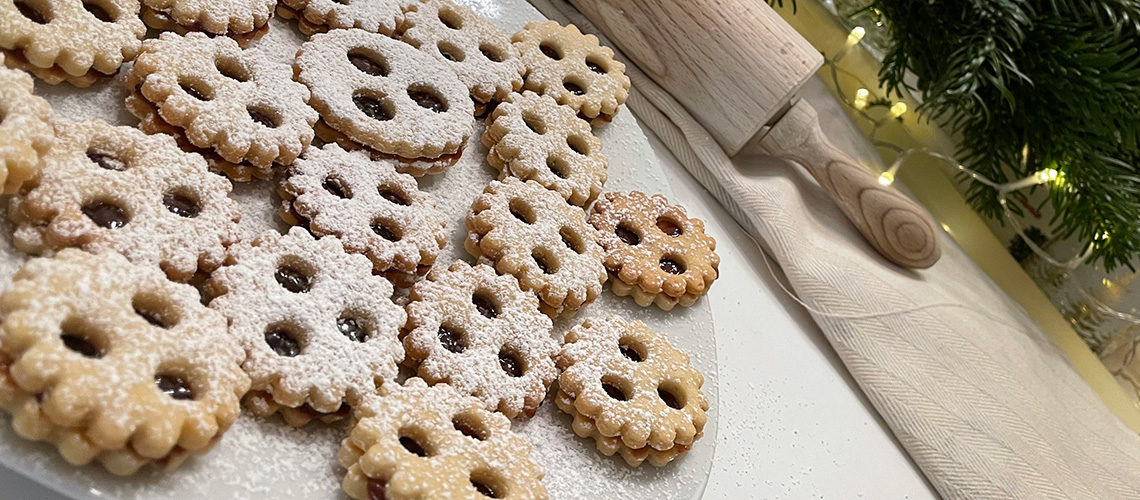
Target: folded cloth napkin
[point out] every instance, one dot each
(981, 399)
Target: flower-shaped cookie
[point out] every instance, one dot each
(477, 50)
(608, 446)
(531, 233)
(654, 250)
(319, 16)
(318, 327)
(108, 188)
(415, 441)
(573, 68)
(70, 40)
(241, 20)
(386, 95)
(236, 102)
(632, 384)
(482, 334)
(367, 204)
(25, 129)
(108, 356)
(531, 137)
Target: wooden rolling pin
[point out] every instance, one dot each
(736, 66)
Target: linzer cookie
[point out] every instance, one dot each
(388, 97)
(574, 69)
(241, 20)
(655, 252)
(367, 204)
(529, 232)
(110, 361)
(108, 188)
(479, 332)
(318, 328)
(531, 137)
(319, 16)
(477, 50)
(70, 40)
(25, 129)
(232, 103)
(415, 441)
(630, 390)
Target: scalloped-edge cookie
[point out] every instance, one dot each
(655, 252)
(109, 360)
(111, 188)
(318, 327)
(527, 231)
(70, 40)
(415, 441)
(609, 446)
(531, 137)
(318, 16)
(574, 69)
(25, 129)
(479, 332)
(241, 20)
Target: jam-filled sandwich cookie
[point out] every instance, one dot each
(479, 332)
(319, 329)
(25, 129)
(415, 441)
(630, 390)
(70, 40)
(110, 361)
(110, 188)
(235, 106)
(388, 97)
(654, 251)
(477, 50)
(574, 69)
(241, 20)
(527, 231)
(318, 16)
(367, 204)
(531, 137)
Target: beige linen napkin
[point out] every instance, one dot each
(981, 399)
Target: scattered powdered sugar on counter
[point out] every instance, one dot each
(264, 458)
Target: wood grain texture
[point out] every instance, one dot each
(900, 229)
(731, 63)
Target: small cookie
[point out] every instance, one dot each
(481, 333)
(25, 129)
(372, 208)
(70, 40)
(629, 383)
(477, 50)
(531, 233)
(531, 137)
(109, 188)
(608, 446)
(318, 328)
(386, 95)
(319, 16)
(237, 103)
(655, 252)
(574, 69)
(109, 360)
(241, 20)
(415, 441)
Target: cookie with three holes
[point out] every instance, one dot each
(370, 206)
(233, 105)
(527, 231)
(241, 20)
(655, 252)
(630, 390)
(574, 69)
(387, 97)
(416, 441)
(110, 188)
(110, 361)
(75, 41)
(319, 329)
(25, 129)
(479, 332)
